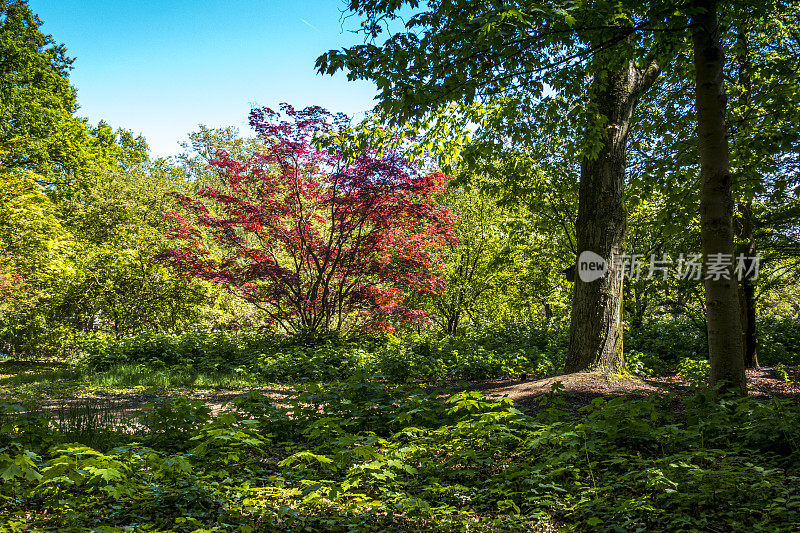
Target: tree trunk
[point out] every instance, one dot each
(716, 201)
(453, 322)
(747, 289)
(747, 245)
(595, 338)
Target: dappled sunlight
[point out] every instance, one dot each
(549, 282)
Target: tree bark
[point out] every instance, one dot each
(716, 201)
(747, 245)
(595, 340)
(747, 289)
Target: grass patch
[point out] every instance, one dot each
(39, 379)
(133, 375)
(14, 373)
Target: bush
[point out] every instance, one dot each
(778, 341)
(204, 350)
(695, 371)
(644, 364)
(668, 340)
(509, 351)
(671, 341)
(170, 422)
(479, 355)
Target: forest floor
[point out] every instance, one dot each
(579, 389)
(582, 387)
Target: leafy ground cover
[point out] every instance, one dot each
(238, 432)
(366, 455)
(510, 352)
(209, 358)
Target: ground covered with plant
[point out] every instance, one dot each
(363, 456)
(159, 433)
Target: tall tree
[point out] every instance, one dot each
(716, 201)
(459, 61)
(763, 114)
(476, 264)
(202, 148)
(38, 130)
(117, 227)
(744, 228)
(30, 232)
(595, 326)
(537, 187)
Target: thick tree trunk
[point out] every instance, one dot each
(595, 340)
(747, 301)
(716, 201)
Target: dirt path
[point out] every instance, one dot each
(579, 388)
(582, 387)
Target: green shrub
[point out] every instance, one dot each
(778, 341)
(668, 340)
(695, 371)
(535, 351)
(672, 340)
(645, 364)
(170, 422)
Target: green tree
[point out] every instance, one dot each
(30, 239)
(202, 147)
(764, 99)
(38, 130)
(117, 148)
(537, 187)
(762, 91)
(118, 226)
(482, 56)
(476, 265)
(207, 144)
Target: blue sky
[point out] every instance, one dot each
(160, 68)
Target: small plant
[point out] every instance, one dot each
(636, 364)
(171, 422)
(782, 373)
(695, 371)
(91, 422)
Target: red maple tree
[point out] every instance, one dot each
(316, 240)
